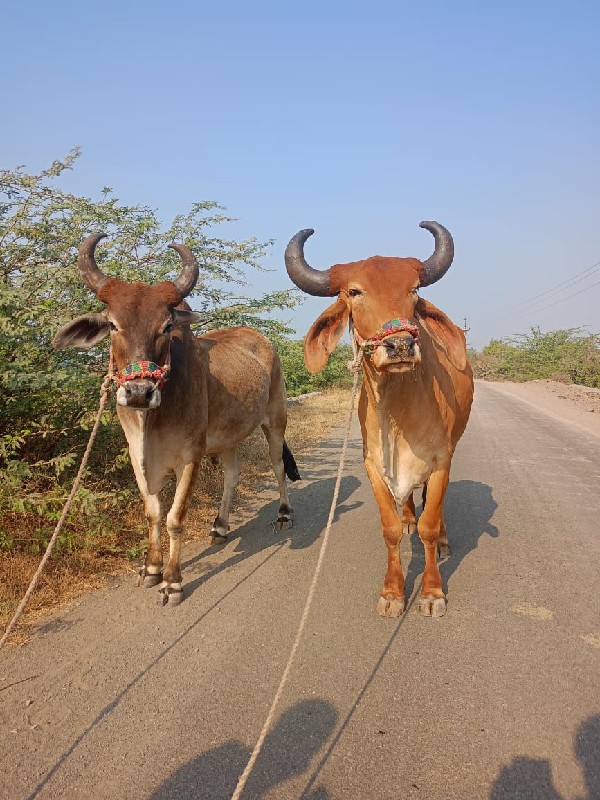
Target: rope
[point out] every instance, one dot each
(355, 368)
(104, 391)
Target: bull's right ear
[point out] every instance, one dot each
(84, 331)
(324, 334)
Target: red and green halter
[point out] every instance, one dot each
(387, 329)
(142, 369)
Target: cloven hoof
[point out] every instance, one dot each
(432, 606)
(169, 597)
(390, 606)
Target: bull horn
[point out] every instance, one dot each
(188, 277)
(312, 281)
(439, 262)
(93, 277)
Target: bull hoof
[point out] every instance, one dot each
(390, 606)
(408, 528)
(443, 551)
(148, 580)
(217, 538)
(169, 597)
(284, 523)
(432, 606)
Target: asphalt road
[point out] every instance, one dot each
(118, 698)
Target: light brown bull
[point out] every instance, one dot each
(181, 397)
(416, 393)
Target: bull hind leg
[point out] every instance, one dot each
(231, 471)
(409, 519)
(443, 546)
(171, 590)
(277, 449)
(430, 526)
(151, 573)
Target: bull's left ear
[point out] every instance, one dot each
(183, 317)
(324, 334)
(445, 334)
(84, 331)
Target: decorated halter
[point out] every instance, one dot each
(387, 329)
(142, 369)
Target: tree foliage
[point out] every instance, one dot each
(571, 355)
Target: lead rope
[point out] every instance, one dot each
(355, 368)
(104, 392)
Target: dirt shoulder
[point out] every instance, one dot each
(579, 405)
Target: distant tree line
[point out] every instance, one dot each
(570, 356)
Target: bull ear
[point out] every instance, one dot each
(84, 331)
(184, 317)
(324, 334)
(444, 333)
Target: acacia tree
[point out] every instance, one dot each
(47, 397)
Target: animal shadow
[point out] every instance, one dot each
(257, 535)
(532, 778)
(468, 510)
(288, 749)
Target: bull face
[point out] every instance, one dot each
(142, 321)
(377, 297)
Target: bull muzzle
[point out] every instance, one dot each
(140, 383)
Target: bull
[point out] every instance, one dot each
(181, 397)
(415, 397)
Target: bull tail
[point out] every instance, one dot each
(289, 463)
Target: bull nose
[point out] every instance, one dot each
(139, 393)
(400, 345)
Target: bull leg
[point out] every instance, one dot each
(275, 441)
(231, 471)
(170, 590)
(391, 602)
(151, 572)
(433, 600)
(409, 519)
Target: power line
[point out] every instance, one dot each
(562, 299)
(542, 297)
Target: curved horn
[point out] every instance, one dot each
(187, 278)
(93, 277)
(312, 281)
(437, 264)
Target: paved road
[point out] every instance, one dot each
(499, 699)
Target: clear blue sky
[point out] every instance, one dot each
(356, 119)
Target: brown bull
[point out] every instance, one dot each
(416, 393)
(181, 397)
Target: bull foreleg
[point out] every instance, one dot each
(151, 572)
(433, 600)
(170, 590)
(231, 471)
(391, 602)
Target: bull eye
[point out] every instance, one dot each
(168, 327)
(112, 325)
(354, 292)
(415, 291)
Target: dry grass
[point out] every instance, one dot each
(71, 574)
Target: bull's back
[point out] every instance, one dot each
(241, 363)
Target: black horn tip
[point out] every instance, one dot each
(92, 241)
(302, 236)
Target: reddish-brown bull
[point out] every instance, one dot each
(181, 397)
(416, 393)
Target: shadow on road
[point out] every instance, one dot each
(287, 752)
(531, 778)
(468, 510)
(311, 509)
